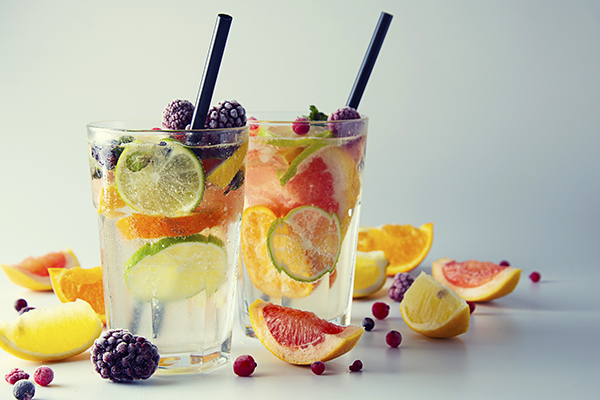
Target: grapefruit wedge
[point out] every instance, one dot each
(32, 273)
(300, 337)
(476, 280)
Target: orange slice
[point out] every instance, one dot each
(300, 337)
(256, 222)
(434, 310)
(405, 246)
(32, 273)
(79, 283)
(155, 226)
(476, 280)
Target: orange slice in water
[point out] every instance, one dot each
(476, 280)
(256, 222)
(155, 226)
(80, 283)
(300, 337)
(405, 246)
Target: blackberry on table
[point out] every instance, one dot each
(400, 285)
(122, 357)
(24, 390)
(226, 114)
(177, 115)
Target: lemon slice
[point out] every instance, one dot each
(369, 272)
(433, 309)
(165, 179)
(224, 173)
(174, 269)
(306, 243)
(51, 333)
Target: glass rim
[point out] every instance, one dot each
(286, 120)
(118, 125)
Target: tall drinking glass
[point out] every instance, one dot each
(169, 207)
(301, 215)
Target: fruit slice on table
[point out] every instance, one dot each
(256, 222)
(305, 244)
(174, 269)
(369, 272)
(404, 246)
(32, 273)
(51, 333)
(224, 173)
(476, 280)
(300, 337)
(434, 310)
(80, 283)
(165, 179)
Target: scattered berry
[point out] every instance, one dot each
(504, 263)
(25, 309)
(400, 285)
(380, 310)
(43, 375)
(535, 276)
(318, 367)
(24, 390)
(20, 304)
(122, 357)
(301, 126)
(356, 366)
(177, 114)
(15, 375)
(471, 306)
(393, 338)
(368, 324)
(244, 365)
(226, 114)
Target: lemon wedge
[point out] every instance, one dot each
(369, 272)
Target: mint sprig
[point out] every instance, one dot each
(315, 115)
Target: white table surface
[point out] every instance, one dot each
(538, 342)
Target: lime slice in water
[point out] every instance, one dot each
(174, 269)
(165, 179)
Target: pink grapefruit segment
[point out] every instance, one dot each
(476, 280)
(32, 273)
(300, 337)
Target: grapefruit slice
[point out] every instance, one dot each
(476, 280)
(300, 337)
(32, 273)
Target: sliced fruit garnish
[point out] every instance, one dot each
(476, 280)
(306, 243)
(51, 333)
(369, 272)
(155, 226)
(300, 337)
(256, 222)
(174, 269)
(404, 246)
(80, 283)
(225, 172)
(32, 273)
(110, 202)
(433, 309)
(162, 179)
(295, 162)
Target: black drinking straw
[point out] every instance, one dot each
(211, 70)
(369, 61)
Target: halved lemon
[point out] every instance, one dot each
(434, 310)
(369, 272)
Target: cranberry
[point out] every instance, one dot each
(504, 263)
(471, 306)
(20, 304)
(356, 366)
(301, 126)
(244, 365)
(368, 324)
(43, 375)
(393, 338)
(535, 276)
(318, 367)
(253, 127)
(380, 310)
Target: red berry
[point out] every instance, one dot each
(393, 338)
(244, 365)
(380, 310)
(471, 306)
(15, 375)
(504, 263)
(356, 366)
(300, 126)
(43, 375)
(535, 276)
(20, 304)
(253, 127)
(318, 367)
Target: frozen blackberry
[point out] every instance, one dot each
(24, 390)
(122, 357)
(226, 114)
(400, 285)
(342, 114)
(177, 114)
(15, 375)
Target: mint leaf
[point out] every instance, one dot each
(316, 115)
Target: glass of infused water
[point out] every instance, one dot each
(169, 207)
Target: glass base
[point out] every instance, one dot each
(194, 362)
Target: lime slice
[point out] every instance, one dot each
(306, 243)
(293, 167)
(174, 269)
(165, 179)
